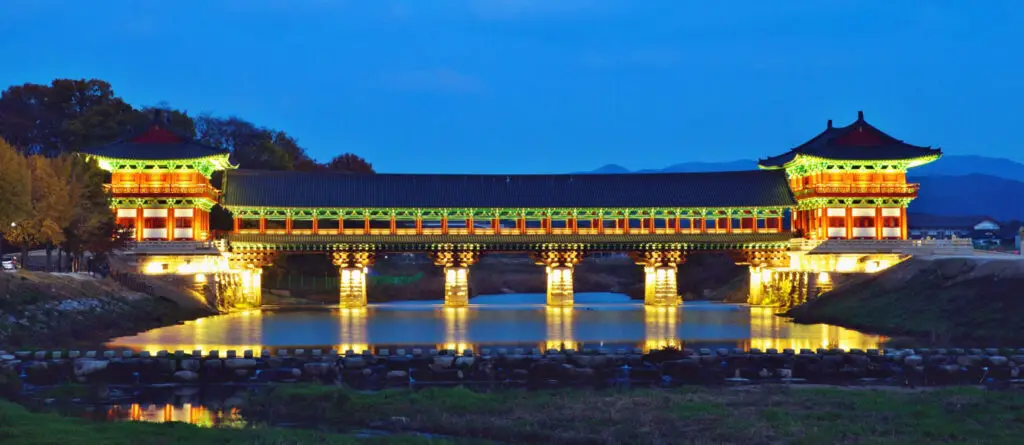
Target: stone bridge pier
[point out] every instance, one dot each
(352, 277)
(661, 287)
(242, 285)
(456, 274)
(559, 264)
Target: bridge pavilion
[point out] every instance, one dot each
(847, 182)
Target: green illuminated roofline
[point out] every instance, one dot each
(436, 214)
(205, 165)
(803, 165)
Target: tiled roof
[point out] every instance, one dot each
(857, 141)
(156, 142)
(755, 188)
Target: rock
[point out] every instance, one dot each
(316, 369)
(185, 377)
(397, 376)
(444, 361)
(241, 363)
(913, 360)
(190, 364)
(968, 360)
(998, 360)
(354, 363)
(86, 367)
(464, 362)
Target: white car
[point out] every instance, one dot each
(8, 264)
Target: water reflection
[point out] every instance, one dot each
(352, 327)
(660, 324)
(188, 413)
(559, 328)
(608, 321)
(456, 329)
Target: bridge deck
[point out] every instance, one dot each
(510, 243)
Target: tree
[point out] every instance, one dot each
(350, 163)
(16, 187)
(92, 223)
(63, 117)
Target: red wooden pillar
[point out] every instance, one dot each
(679, 227)
(753, 227)
(600, 225)
(849, 222)
(496, 225)
(393, 228)
(444, 224)
(778, 221)
(288, 225)
(469, 225)
(419, 224)
(263, 224)
(316, 225)
(170, 223)
(140, 223)
(903, 223)
(341, 224)
(879, 223)
(728, 223)
(237, 228)
(366, 224)
(703, 224)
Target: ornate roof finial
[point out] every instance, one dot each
(860, 115)
(830, 123)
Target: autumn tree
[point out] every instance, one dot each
(16, 187)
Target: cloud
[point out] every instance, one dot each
(439, 79)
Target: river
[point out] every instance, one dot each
(598, 320)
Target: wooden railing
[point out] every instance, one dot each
(883, 189)
(176, 246)
(200, 189)
(800, 244)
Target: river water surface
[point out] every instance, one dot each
(599, 320)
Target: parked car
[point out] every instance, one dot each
(9, 263)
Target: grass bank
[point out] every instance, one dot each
(748, 415)
(18, 426)
(949, 301)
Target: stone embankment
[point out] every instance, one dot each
(972, 301)
(914, 367)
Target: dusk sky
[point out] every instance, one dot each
(547, 86)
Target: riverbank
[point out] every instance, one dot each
(973, 301)
(43, 310)
(750, 415)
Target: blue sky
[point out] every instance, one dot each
(547, 86)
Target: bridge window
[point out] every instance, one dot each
(863, 221)
(351, 223)
(249, 224)
(275, 224)
(183, 222)
(302, 224)
(327, 224)
(636, 224)
(890, 221)
(508, 225)
(837, 221)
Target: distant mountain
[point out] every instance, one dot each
(969, 165)
(952, 186)
(950, 165)
(973, 194)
